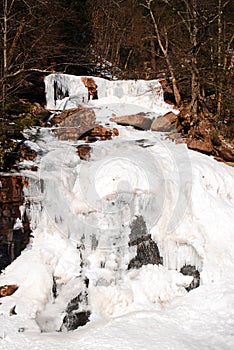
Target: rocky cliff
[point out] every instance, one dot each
(14, 223)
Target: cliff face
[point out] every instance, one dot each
(14, 223)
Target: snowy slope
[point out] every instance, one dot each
(81, 214)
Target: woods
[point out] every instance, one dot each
(187, 43)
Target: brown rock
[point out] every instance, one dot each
(139, 121)
(91, 86)
(58, 119)
(200, 146)
(12, 241)
(165, 123)
(226, 153)
(99, 133)
(7, 290)
(75, 123)
(12, 189)
(84, 151)
(83, 118)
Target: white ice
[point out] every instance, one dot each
(187, 202)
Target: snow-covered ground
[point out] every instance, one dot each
(82, 211)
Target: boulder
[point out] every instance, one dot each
(77, 312)
(200, 146)
(7, 290)
(146, 249)
(139, 121)
(165, 123)
(99, 132)
(83, 118)
(74, 123)
(84, 151)
(190, 270)
(226, 153)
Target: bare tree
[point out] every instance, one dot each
(163, 42)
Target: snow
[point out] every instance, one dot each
(82, 211)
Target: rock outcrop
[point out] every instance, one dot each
(14, 223)
(198, 133)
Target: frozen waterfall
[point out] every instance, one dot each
(92, 220)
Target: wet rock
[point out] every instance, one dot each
(164, 123)
(147, 253)
(75, 320)
(147, 249)
(100, 133)
(139, 232)
(189, 270)
(77, 313)
(139, 121)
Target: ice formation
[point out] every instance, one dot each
(81, 213)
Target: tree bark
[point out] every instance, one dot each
(164, 49)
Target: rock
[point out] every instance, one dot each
(20, 153)
(147, 253)
(84, 151)
(91, 86)
(164, 123)
(12, 189)
(139, 232)
(84, 119)
(99, 133)
(12, 241)
(139, 121)
(77, 313)
(74, 123)
(58, 119)
(189, 270)
(12, 311)
(8, 290)
(200, 146)
(226, 153)
(147, 249)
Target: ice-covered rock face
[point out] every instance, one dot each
(128, 220)
(65, 91)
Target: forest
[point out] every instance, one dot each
(187, 44)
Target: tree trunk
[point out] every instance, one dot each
(153, 55)
(194, 78)
(5, 68)
(164, 49)
(219, 51)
